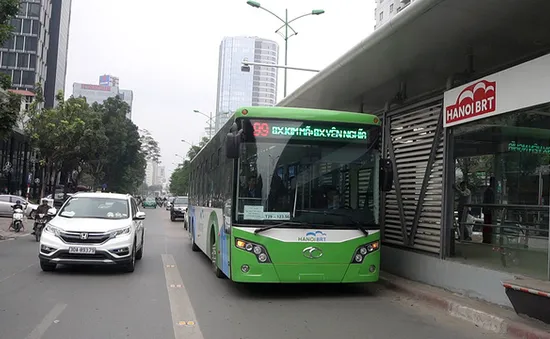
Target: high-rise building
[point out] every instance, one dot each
(162, 175)
(386, 9)
(58, 50)
(36, 53)
(151, 173)
(24, 56)
(237, 88)
(103, 91)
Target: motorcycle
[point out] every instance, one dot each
(41, 221)
(17, 220)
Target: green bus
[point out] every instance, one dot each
(290, 195)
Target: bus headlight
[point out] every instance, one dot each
(362, 251)
(258, 250)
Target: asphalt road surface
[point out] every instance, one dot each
(174, 294)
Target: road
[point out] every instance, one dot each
(173, 287)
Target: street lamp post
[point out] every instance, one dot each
(210, 121)
(209, 116)
(187, 142)
(286, 25)
(246, 66)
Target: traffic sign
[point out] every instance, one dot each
(37, 181)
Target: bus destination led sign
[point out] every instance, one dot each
(305, 130)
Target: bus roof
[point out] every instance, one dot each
(268, 112)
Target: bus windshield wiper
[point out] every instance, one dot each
(286, 223)
(355, 222)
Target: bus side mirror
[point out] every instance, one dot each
(386, 175)
(233, 143)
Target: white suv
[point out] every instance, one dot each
(96, 229)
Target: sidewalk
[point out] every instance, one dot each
(482, 314)
(6, 235)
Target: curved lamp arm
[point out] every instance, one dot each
(288, 23)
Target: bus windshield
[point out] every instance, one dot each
(331, 184)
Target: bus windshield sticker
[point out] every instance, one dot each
(277, 215)
(307, 130)
(253, 212)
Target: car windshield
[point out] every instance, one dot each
(328, 183)
(95, 207)
(181, 201)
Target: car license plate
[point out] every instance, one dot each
(82, 250)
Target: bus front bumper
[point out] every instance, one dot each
(368, 271)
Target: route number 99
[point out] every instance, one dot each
(261, 129)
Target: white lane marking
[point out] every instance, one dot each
(183, 315)
(48, 320)
(16, 273)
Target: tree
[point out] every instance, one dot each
(8, 9)
(10, 103)
(195, 149)
(149, 146)
(68, 136)
(10, 106)
(124, 162)
(179, 180)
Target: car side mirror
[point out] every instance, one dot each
(386, 175)
(52, 211)
(139, 216)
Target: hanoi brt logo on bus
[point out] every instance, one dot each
(477, 99)
(314, 236)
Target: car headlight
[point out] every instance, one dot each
(52, 229)
(122, 231)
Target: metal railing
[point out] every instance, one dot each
(511, 227)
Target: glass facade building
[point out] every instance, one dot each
(58, 50)
(36, 53)
(24, 56)
(237, 88)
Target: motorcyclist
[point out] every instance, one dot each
(43, 208)
(17, 205)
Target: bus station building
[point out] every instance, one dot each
(463, 90)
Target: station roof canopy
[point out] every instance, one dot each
(424, 45)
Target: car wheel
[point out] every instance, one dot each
(32, 214)
(172, 218)
(214, 256)
(139, 254)
(46, 266)
(131, 266)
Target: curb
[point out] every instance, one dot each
(479, 318)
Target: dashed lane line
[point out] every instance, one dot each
(48, 320)
(183, 316)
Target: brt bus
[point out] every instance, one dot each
(290, 195)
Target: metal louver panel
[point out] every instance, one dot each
(324, 170)
(414, 142)
(364, 186)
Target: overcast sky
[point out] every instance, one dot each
(166, 51)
